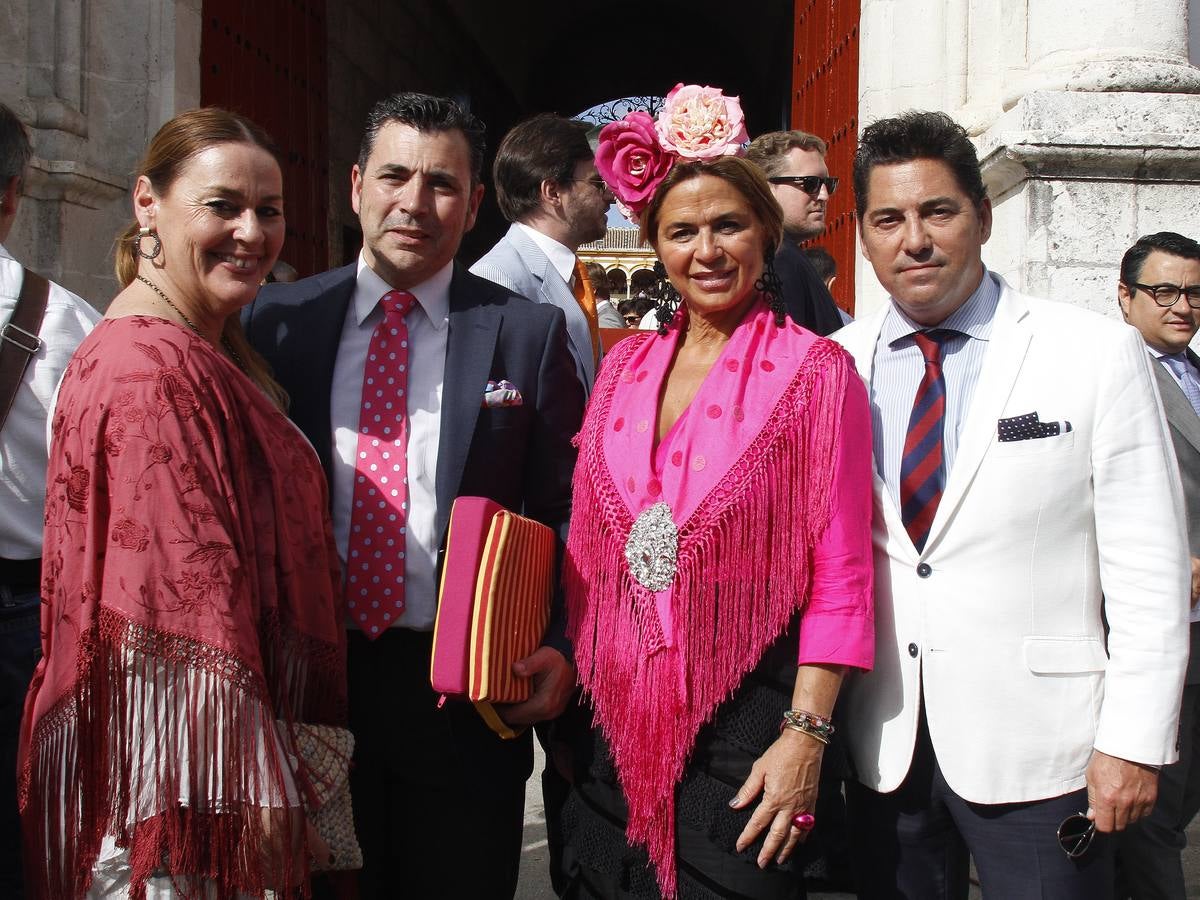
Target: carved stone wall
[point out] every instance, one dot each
(92, 80)
(1086, 115)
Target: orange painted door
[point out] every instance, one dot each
(825, 103)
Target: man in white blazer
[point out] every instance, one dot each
(548, 187)
(1025, 494)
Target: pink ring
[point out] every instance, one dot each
(803, 821)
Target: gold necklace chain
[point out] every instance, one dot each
(233, 354)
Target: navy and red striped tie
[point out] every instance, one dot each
(923, 466)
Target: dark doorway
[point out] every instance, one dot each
(309, 71)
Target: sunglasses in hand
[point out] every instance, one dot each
(1075, 835)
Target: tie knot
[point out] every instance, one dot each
(397, 303)
(930, 342)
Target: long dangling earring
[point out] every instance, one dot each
(144, 232)
(666, 299)
(771, 288)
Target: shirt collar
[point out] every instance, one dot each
(4, 254)
(560, 255)
(973, 318)
(433, 294)
(1182, 355)
(1176, 362)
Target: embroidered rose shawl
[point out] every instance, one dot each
(191, 596)
(747, 481)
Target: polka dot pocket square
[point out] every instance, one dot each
(501, 393)
(1029, 428)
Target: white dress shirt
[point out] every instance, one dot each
(23, 443)
(560, 255)
(428, 328)
(899, 368)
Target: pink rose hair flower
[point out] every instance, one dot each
(701, 123)
(631, 161)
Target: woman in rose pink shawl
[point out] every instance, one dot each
(191, 591)
(718, 568)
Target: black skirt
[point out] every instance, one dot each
(599, 862)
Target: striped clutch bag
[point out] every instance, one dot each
(494, 605)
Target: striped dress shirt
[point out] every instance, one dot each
(898, 366)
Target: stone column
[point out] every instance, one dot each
(1086, 114)
(92, 80)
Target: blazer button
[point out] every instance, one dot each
(924, 570)
(912, 650)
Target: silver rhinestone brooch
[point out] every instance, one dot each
(652, 547)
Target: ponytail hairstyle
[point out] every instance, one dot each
(176, 142)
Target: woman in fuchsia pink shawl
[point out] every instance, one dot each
(718, 568)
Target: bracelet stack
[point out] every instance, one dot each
(818, 727)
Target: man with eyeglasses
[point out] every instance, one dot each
(1159, 294)
(548, 188)
(794, 163)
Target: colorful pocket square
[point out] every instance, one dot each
(1028, 428)
(497, 394)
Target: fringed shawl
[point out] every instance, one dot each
(191, 597)
(748, 481)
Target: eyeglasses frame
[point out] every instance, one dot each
(1191, 293)
(595, 181)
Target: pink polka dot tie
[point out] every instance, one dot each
(375, 567)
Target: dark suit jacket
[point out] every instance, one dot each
(1185, 435)
(808, 301)
(519, 456)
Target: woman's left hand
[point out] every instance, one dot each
(787, 776)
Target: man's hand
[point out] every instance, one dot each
(1195, 580)
(553, 681)
(1119, 791)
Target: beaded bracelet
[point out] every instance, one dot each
(815, 726)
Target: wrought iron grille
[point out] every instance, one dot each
(615, 110)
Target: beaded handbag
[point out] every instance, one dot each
(326, 751)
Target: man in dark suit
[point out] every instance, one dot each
(393, 365)
(1159, 293)
(794, 163)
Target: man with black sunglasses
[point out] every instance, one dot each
(1159, 294)
(794, 163)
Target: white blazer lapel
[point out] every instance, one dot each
(1007, 346)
